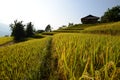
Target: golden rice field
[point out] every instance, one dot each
(4, 40)
(86, 57)
(64, 56)
(22, 61)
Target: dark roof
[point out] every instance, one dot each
(90, 17)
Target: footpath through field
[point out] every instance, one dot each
(7, 44)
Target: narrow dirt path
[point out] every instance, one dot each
(45, 68)
(7, 44)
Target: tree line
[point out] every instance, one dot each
(111, 15)
(20, 31)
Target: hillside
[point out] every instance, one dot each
(104, 28)
(4, 40)
(109, 28)
(78, 55)
(75, 28)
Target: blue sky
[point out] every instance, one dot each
(53, 12)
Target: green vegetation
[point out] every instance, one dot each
(109, 28)
(65, 56)
(18, 31)
(101, 28)
(23, 61)
(86, 57)
(29, 30)
(48, 33)
(76, 52)
(48, 28)
(75, 28)
(4, 40)
(111, 15)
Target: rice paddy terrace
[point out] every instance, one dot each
(79, 52)
(104, 28)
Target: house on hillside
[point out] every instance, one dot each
(90, 19)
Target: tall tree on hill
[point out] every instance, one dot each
(48, 28)
(18, 31)
(111, 15)
(29, 30)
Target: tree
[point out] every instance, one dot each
(12, 29)
(29, 30)
(40, 31)
(111, 15)
(70, 24)
(48, 28)
(18, 31)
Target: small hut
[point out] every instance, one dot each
(90, 19)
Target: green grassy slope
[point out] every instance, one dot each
(109, 28)
(75, 28)
(103, 28)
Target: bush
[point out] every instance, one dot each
(111, 15)
(18, 31)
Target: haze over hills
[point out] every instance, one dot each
(4, 29)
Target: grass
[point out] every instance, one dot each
(109, 28)
(22, 61)
(4, 40)
(103, 28)
(48, 33)
(67, 54)
(86, 56)
(75, 28)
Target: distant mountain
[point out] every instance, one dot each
(4, 29)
